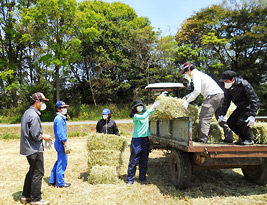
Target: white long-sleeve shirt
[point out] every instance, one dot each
(203, 84)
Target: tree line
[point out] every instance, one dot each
(94, 52)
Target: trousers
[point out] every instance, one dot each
(139, 156)
(212, 106)
(237, 123)
(33, 179)
(59, 168)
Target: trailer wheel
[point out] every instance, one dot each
(256, 173)
(180, 167)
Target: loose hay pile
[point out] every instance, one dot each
(171, 108)
(104, 157)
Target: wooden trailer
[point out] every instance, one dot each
(187, 156)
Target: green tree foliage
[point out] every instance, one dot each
(230, 36)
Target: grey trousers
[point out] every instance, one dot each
(212, 105)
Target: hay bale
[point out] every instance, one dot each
(260, 132)
(103, 175)
(171, 108)
(98, 141)
(104, 157)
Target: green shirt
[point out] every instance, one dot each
(141, 124)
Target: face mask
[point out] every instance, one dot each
(64, 111)
(43, 106)
(228, 85)
(187, 77)
(105, 117)
(139, 108)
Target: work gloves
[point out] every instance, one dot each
(222, 118)
(185, 104)
(156, 104)
(48, 144)
(67, 148)
(250, 121)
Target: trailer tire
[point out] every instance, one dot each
(256, 173)
(180, 167)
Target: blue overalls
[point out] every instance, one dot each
(139, 146)
(60, 132)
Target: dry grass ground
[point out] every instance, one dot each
(207, 187)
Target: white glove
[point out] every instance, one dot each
(48, 144)
(250, 121)
(67, 148)
(155, 105)
(185, 104)
(222, 118)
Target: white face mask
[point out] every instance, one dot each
(105, 117)
(228, 85)
(187, 77)
(139, 108)
(64, 111)
(43, 106)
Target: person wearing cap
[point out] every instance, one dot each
(242, 94)
(61, 146)
(140, 142)
(213, 94)
(31, 146)
(107, 125)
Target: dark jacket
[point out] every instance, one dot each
(243, 96)
(107, 127)
(31, 132)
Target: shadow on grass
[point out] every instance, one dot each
(84, 176)
(204, 183)
(17, 195)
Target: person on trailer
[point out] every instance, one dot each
(213, 94)
(242, 94)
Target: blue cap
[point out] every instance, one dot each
(60, 104)
(106, 111)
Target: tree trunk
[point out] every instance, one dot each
(57, 83)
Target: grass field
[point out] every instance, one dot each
(207, 187)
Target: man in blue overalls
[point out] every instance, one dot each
(61, 146)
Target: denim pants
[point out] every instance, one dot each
(139, 156)
(33, 179)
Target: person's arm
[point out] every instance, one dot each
(98, 127)
(226, 103)
(60, 130)
(253, 99)
(35, 128)
(144, 115)
(197, 89)
(115, 129)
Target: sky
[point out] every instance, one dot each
(167, 14)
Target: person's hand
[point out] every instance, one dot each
(220, 118)
(67, 148)
(156, 104)
(185, 104)
(251, 121)
(46, 137)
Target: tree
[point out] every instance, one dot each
(227, 36)
(50, 23)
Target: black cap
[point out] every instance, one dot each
(138, 102)
(227, 75)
